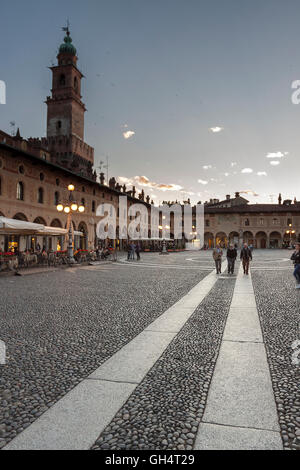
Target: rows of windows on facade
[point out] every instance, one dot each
(20, 193)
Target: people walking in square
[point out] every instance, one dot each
(246, 257)
(217, 256)
(231, 257)
(296, 258)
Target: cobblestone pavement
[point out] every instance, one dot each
(278, 304)
(164, 412)
(59, 327)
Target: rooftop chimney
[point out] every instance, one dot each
(228, 197)
(237, 194)
(102, 178)
(112, 183)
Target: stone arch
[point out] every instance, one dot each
(20, 216)
(39, 220)
(56, 223)
(234, 238)
(289, 239)
(209, 239)
(82, 227)
(248, 238)
(221, 239)
(275, 240)
(261, 240)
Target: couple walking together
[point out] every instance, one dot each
(231, 255)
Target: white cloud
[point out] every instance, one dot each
(124, 180)
(275, 162)
(249, 192)
(202, 182)
(207, 167)
(247, 170)
(128, 134)
(226, 174)
(261, 173)
(216, 129)
(277, 154)
(232, 164)
(187, 193)
(145, 182)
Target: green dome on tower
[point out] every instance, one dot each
(67, 46)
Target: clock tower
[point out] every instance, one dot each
(65, 114)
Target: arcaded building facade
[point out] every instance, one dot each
(261, 225)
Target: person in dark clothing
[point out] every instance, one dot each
(138, 250)
(217, 256)
(296, 258)
(132, 247)
(231, 257)
(246, 257)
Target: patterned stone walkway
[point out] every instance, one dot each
(184, 382)
(241, 411)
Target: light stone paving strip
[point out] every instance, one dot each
(76, 420)
(240, 411)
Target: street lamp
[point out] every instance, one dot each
(164, 245)
(69, 208)
(290, 232)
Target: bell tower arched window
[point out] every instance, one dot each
(76, 84)
(62, 80)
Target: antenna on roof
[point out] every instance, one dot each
(12, 125)
(66, 28)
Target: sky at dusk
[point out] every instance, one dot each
(187, 98)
